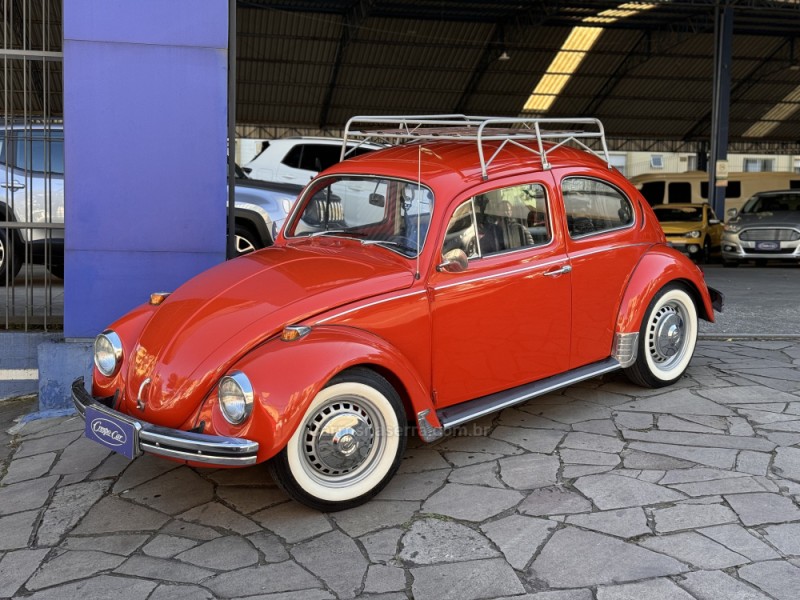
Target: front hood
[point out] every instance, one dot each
(215, 318)
(680, 227)
(769, 219)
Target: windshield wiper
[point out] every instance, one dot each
(325, 232)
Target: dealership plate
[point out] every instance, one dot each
(768, 245)
(113, 432)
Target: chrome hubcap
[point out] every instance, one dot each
(339, 438)
(666, 339)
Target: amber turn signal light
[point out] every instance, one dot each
(158, 297)
(294, 333)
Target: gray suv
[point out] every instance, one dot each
(767, 228)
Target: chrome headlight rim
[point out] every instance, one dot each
(240, 382)
(114, 349)
(693, 234)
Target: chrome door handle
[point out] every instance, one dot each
(561, 271)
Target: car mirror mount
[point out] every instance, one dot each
(731, 213)
(454, 261)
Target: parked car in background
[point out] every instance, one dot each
(31, 191)
(767, 228)
(296, 160)
(405, 288)
(693, 229)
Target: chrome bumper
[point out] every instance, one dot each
(175, 443)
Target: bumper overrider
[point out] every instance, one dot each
(162, 441)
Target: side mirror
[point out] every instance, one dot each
(715, 221)
(731, 213)
(454, 261)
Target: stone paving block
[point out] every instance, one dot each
(738, 485)
(253, 477)
(575, 471)
(317, 595)
(111, 467)
(543, 441)
(670, 423)
(719, 423)
(382, 578)
(633, 420)
(599, 426)
(149, 567)
(655, 589)
(80, 456)
(418, 460)
(486, 474)
(762, 508)
(681, 402)
(247, 500)
(515, 417)
(72, 565)
(19, 497)
(625, 523)
(414, 486)
(336, 560)
(609, 491)
(716, 585)
(592, 442)
(16, 529)
(286, 576)
(377, 514)
(554, 501)
(529, 471)
(737, 539)
(470, 580)
(472, 445)
(518, 537)
(167, 546)
(600, 395)
(754, 463)
(555, 595)
(636, 459)
(381, 546)
(111, 515)
(712, 457)
(688, 516)
(214, 514)
(575, 412)
(747, 394)
(103, 587)
(787, 463)
(190, 530)
(141, 470)
(31, 467)
(573, 558)
(431, 541)
(702, 440)
(588, 457)
(465, 459)
(16, 567)
(271, 548)
(694, 549)
(53, 443)
(780, 580)
(175, 591)
(222, 554)
(120, 543)
(470, 503)
(785, 537)
(158, 493)
(68, 506)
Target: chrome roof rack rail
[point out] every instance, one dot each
(526, 133)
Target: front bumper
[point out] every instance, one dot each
(736, 249)
(688, 246)
(174, 443)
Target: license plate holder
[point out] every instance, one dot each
(112, 431)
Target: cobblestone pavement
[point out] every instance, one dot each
(602, 492)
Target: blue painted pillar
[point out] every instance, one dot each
(145, 118)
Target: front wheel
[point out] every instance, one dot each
(347, 446)
(10, 257)
(246, 241)
(667, 338)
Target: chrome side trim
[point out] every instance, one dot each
(427, 432)
(474, 409)
(175, 443)
(626, 348)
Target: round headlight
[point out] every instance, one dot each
(693, 234)
(235, 397)
(107, 352)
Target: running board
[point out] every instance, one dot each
(455, 415)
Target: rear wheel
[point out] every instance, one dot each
(667, 338)
(10, 257)
(347, 446)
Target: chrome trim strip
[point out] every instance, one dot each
(497, 275)
(626, 348)
(474, 409)
(175, 443)
(427, 432)
(367, 305)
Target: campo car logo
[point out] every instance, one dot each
(109, 431)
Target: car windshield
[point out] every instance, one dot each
(391, 213)
(772, 203)
(669, 214)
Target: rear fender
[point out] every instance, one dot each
(286, 376)
(656, 269)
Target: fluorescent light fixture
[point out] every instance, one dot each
(572, 52)
(776, 115)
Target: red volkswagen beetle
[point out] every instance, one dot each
(475, 264)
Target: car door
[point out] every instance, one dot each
(505, 319)
(603, 247)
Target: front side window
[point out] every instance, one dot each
(593, 206)
(389, 212)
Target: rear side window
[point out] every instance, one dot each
(653, 192)
(593, 206)
(680, 192)
(732, 190)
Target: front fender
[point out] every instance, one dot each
(657, 268)
(286, 376)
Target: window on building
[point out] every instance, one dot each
(756, 165)
(657, 161)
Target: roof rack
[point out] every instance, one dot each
(527, 134)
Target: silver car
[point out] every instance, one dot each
(767, 228)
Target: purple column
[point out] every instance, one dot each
(145, 110)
